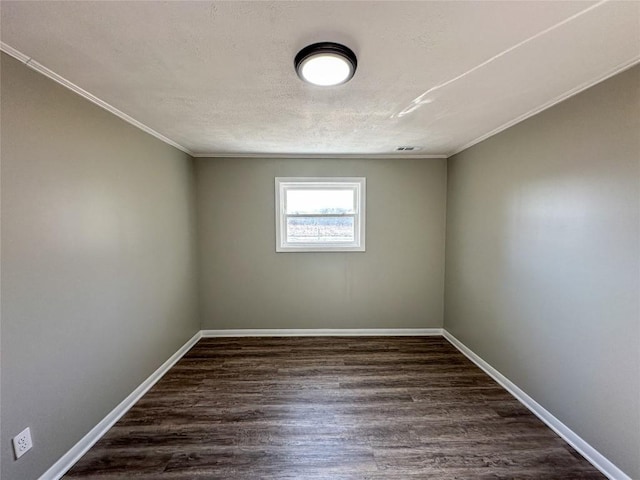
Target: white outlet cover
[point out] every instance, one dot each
(22, 443)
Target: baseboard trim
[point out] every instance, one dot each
(323, 332)
(598, 460)
(587, 451)
(67, 461)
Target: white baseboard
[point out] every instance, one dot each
(587, 451)
(67, 461)
(323, 332)
(598, 460)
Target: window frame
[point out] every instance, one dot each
(357, 184)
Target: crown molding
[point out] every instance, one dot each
(322, 156)
(38, 67)
(560, 98)
(9, 50)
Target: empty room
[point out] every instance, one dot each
(356, 240)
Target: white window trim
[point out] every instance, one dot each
(359, 184)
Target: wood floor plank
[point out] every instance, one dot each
(365, 408)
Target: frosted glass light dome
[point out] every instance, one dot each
(325, 64)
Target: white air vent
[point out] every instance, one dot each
(405, 148)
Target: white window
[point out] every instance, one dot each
(320, 214)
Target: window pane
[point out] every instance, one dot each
(320, 201)
(320, 229)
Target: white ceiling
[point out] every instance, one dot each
(218, 77)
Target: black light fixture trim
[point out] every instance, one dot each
(330, 48)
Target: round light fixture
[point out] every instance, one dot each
(326, 64)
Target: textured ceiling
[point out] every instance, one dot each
(218, 77)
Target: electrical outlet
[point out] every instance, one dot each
(22, 443)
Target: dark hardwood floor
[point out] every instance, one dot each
(329, 408)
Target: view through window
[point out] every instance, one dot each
(320, 214)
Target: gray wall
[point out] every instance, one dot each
(98, 263)
(543, 261)
(396, 283)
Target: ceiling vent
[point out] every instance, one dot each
(405, 148)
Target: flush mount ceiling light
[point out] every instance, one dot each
(326, 64)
